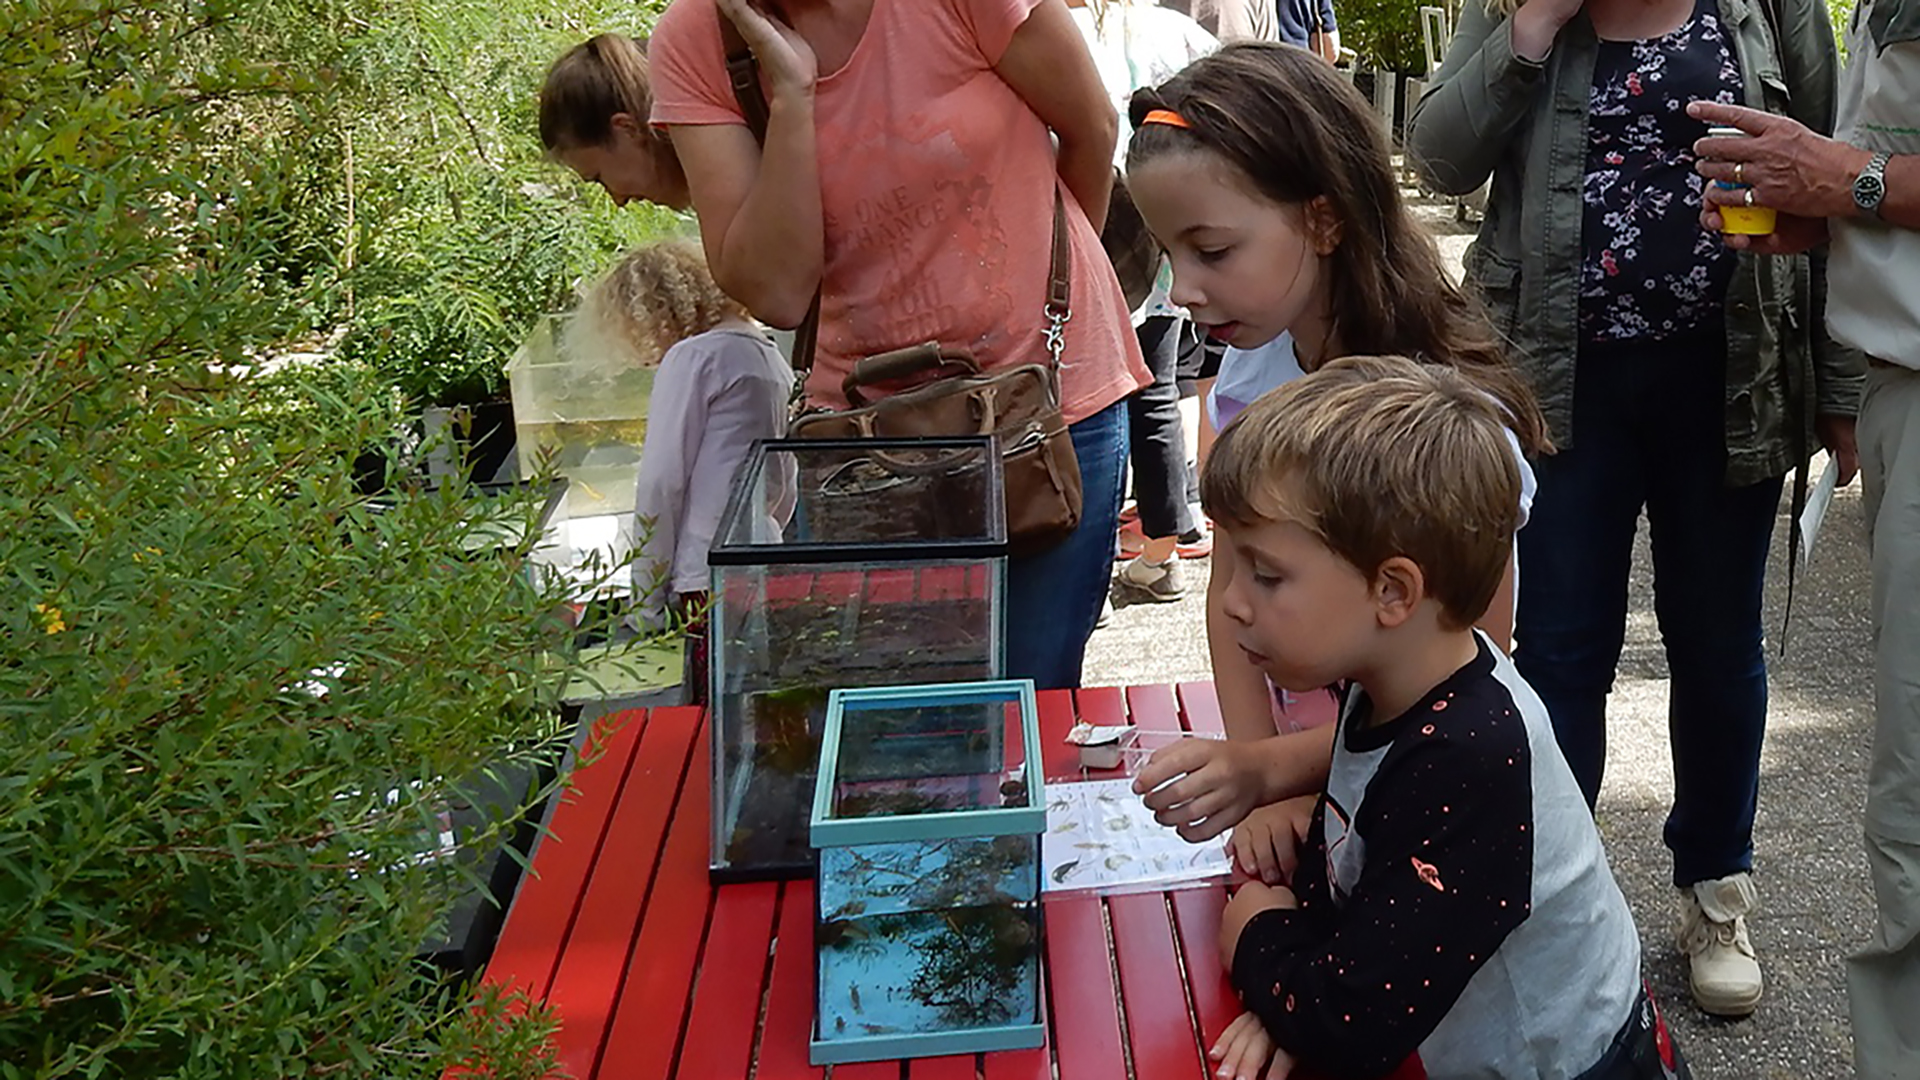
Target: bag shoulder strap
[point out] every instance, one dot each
(743, 73)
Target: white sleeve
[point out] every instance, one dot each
(1528, 482)
(676, 418)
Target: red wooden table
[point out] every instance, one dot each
(653, 972)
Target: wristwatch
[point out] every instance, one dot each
(1871, 185)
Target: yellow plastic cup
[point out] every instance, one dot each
(1748, 220)
(1742, 220)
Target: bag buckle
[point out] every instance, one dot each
(1055, 335)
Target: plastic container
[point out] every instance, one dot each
(588, 412)
(1741, 220)
(927, 817)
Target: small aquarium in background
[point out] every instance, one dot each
(839, 563)
(585, 406)
(926, 820)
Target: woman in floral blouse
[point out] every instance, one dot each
(1678, 376)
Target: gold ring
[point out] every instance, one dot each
(1749, 197)
(1739, 172)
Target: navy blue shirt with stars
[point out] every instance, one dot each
(1455, 902)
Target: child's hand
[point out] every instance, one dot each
(1252, 899)
(1246, 1052)
(1266, 844)
(1222, 783)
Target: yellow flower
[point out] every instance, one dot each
(51, 619)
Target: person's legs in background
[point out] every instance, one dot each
(1709, 569)
(1883, 979)
(1054, 597)
(1578, 551)
(1158, 451)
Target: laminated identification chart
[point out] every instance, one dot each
(1100, 836)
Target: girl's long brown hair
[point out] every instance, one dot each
(1298, 131)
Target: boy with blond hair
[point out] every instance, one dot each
(1450, 911)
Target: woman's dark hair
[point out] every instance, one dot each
(1298, 132)
(588, 85)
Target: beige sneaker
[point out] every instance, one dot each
(1724, 973)
(1158, 582)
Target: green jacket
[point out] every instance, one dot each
(1487, 113)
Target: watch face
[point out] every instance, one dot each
(1870, 186)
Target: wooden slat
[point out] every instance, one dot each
(785, 587)
(789, 1023)
(868, 1070)
(1034, 1064)
(951, 1067)
(1101, 705)
(543, 909)
(943, 583)
(839, 586)
(1086, 1012)
(1196, 915)
(890, 586)
(1158, 1028)
(593, 963)
(1153, 707)
(646, 1020)
(726, 997)
(1059, 760)
(1200, 708)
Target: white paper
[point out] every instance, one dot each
(1100, 836)
(1816, 509)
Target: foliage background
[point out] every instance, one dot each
(234, 696)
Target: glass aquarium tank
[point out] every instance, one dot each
(927, 816)
(839, 563)
(587, 409)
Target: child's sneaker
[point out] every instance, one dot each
(1158, 582)
(1724, 973)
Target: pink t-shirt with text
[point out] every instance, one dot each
(937, 185)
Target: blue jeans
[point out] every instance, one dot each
(1054, 597)
(1648, 429)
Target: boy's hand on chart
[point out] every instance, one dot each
(1246, 1052)
(786, 60)
(1266, 844)
(1219, 782)
(1251, 899)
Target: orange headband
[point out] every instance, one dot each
(1165, 116)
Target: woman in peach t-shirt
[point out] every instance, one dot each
(909, 173)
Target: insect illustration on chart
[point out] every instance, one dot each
(853, 995)
(1064, 871)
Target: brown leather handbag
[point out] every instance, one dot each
(1019, 405)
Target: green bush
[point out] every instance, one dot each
(1384, 34)
(461, 234)
(235, 697)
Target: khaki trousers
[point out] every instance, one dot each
(1883, 980)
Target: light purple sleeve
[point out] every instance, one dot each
(714, 395)
(676, 419)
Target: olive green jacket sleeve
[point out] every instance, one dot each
(1810, 67)
(1473, 105)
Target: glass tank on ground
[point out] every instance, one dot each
(839, 563)
(927, 816)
